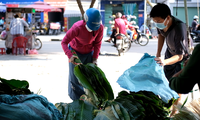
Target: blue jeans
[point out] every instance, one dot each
(129, 32)
(75, 90)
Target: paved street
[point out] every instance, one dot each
(47, 72)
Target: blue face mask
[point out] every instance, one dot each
(161, 25)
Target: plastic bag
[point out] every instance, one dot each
(3, 35)
(147, 75)
(33, 51)
(27, 107)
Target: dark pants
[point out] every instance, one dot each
(75, 90)
(170, 70)
(113, 35)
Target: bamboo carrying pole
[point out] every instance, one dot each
(81, 7)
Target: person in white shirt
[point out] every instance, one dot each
(17, 27)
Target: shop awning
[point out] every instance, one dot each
(72, 13)
(43, 7)
(2, 7)
(72, 9)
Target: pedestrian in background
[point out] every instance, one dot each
(85, 37)
(17, 28)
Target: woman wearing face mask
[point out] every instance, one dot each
(174, 32)
(85, 38)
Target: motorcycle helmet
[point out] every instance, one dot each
(92, 18)
(195, 17)
(123, 16)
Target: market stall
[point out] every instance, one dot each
(2, 16)
(28, 32)
(40, 6)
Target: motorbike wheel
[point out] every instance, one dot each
(119, 52)
(125, 49)
(50, 32)
(38, 44)
(136, 41)
(143, 40)
(128, 46)
(45, 32)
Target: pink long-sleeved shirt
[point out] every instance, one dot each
(81, 40)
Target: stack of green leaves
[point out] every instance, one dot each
(93, 79)
(141, 105)
(77, 110)
(14, 87)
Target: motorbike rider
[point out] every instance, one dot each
(129, 32)
(119, 26)
(113, 32)
(85, 37)
(195, 25)
(2, 22)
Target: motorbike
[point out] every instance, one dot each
(41, 28)
(123, 44)
(2, 28)
(37, 42)
(195, 37)
(139, 37)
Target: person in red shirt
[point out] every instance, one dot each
(119, 25)
(85, 37)
(128, 31)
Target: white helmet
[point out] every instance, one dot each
(196, 17)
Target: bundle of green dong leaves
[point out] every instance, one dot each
(98, 103)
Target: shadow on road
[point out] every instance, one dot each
(108, 54)
(40, 56)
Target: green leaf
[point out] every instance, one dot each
(15, 84)
(92, 78)
(82, 79)
(106, 114)
(124, 112)
(76, 60)
(77, 110)
(184, 102)
(107, 85)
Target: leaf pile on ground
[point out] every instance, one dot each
(98, 103)
(14, 87)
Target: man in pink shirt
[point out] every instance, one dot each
(119, 25)
(85, 38)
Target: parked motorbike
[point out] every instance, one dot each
(139, 37)
(37, 42)
(195, 37)
(123, 44)
(2, 28)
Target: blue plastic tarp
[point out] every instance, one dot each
(147, 75)
(27, 107)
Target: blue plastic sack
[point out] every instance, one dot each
(27, 107)
(147, 75)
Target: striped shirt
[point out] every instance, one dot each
(17, 26)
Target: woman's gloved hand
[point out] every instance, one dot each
(72, 60)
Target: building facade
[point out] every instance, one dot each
(126, 7)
